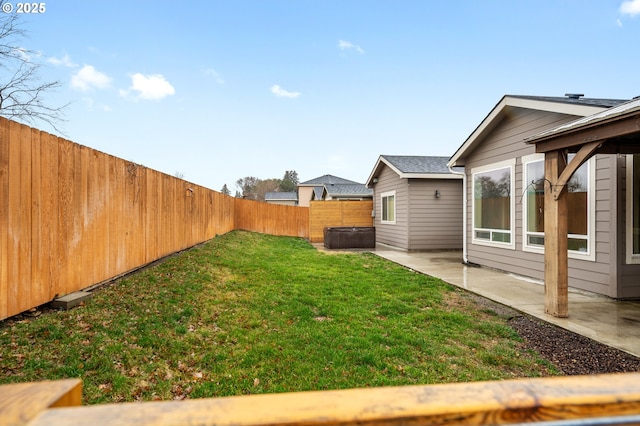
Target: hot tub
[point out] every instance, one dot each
(346, 237)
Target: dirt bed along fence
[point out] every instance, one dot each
(71, 217)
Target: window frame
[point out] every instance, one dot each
(387, 195)
(508, 164)
(631, 257)
(591, 211)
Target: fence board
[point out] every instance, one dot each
(72, 217)
(4, 216)
(17, 228)
(24, 239)
(337, 213)
(37, 236)
(49, 211)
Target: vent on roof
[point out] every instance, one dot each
(574, 95)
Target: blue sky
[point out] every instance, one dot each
(219, 90)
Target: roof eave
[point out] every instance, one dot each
(580, 110)
(379, 164)
(430, 176)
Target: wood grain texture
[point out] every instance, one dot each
(479, 403)
(556, 266)
(337, 213)
(21, 402)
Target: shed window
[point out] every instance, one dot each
(578, 204)
(493, 205)
(388, 207)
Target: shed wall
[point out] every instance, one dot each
(628, 275)
(392, 234)
(435, 223)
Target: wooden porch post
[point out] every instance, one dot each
(556, 295)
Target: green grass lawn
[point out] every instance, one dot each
(248, 313)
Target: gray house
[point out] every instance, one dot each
(284, 198)
(504, 202)
(346, 192)
(417, 202)
(313, 189)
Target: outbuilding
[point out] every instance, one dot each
(417, 202)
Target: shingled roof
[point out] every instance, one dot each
(326, 179)
(574, 100)
(571, 104)
(348, 190)
(414, 167)
(288, 196)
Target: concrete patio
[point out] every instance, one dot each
(615, 323)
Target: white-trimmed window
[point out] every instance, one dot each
(493, 204)
(633, 208)
(388, 208)
(580, 205)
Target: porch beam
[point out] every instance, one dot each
(598, 132)
(585, 152)
(556, 294)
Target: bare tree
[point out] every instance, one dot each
(22, 94)
(247, 185)
(264, 186)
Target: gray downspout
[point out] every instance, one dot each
(465, 260)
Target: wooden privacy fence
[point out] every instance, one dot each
(71, 217)
(274, 219)
(337, 213)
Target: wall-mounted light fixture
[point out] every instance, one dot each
(437, 193)
(375, 180)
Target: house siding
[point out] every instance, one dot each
(282, 202)
(628, 275)
(505, 142)
(304, 195)
(392, 234)
(435, 223)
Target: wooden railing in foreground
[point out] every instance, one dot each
(21, 402)
(477, 403)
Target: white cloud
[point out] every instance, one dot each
(281, 93)
(619, 22)
(150, 87)
(21, 53)
(345, 45)
(88, 78)
(630, 7)
(215, 74)
(64, 61)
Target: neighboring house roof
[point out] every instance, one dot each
(326, 179)
(317, 192)
(570, 105)
(342, 190)
(415, 167)
(281, 196)
(319, 183)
